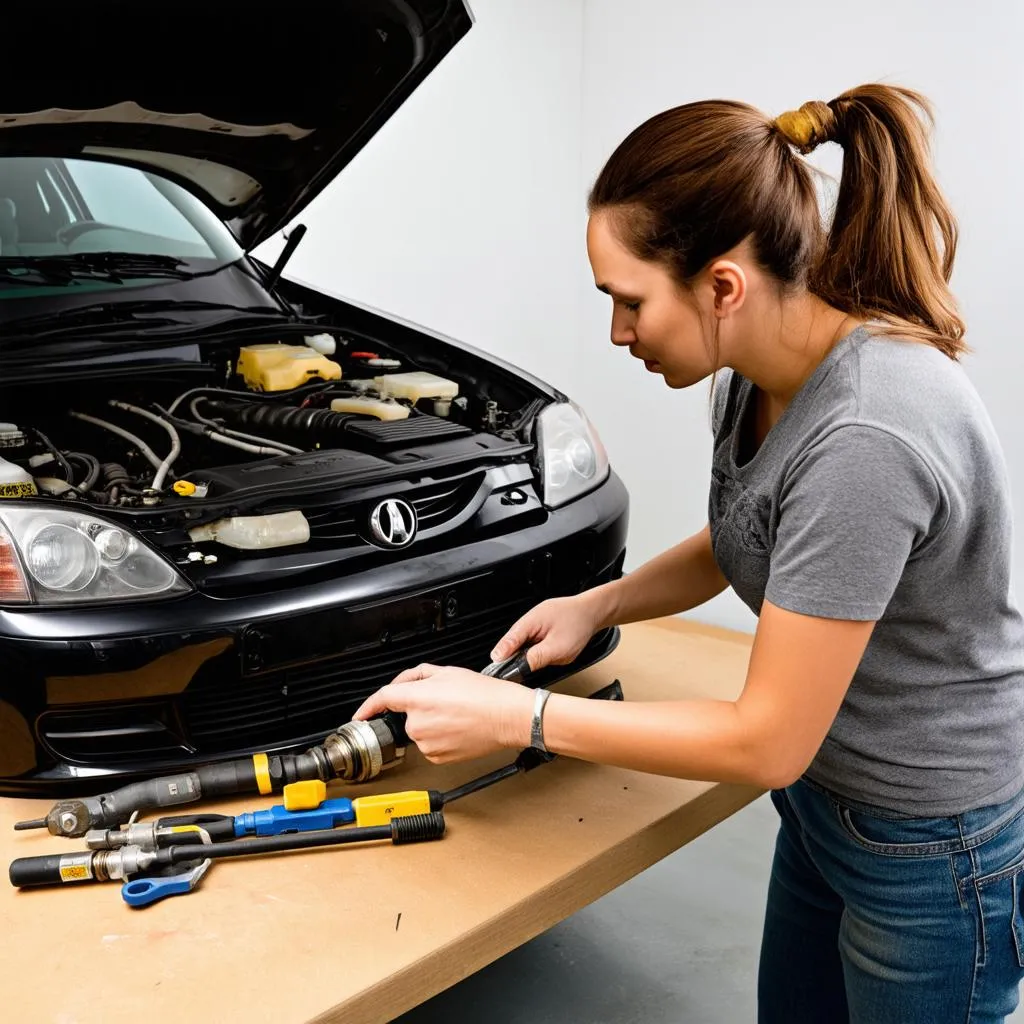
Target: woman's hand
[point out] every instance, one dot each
(453, 714)
(559, 628)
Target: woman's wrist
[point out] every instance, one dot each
(513, 728)
(603, 604)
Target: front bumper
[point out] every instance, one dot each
(93, 697)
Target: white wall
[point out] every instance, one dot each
(642, 56)
(467, 211)
(457, 214)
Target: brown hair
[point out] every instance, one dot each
(693, 182)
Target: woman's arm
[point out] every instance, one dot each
(675, 581)
(559, 629)
(800, 668)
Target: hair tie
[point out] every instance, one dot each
(814, 123)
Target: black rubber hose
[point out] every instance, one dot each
(114, 475)
(92, 467)
(261, 418)
(58, 455)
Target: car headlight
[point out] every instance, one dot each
(52, 556)
(572, 458)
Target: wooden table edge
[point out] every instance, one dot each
(475, 949)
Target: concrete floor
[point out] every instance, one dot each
(677, 944)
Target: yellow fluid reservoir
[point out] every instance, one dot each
(283, 367)
(416, 385)
(365, 405)
(16, 482)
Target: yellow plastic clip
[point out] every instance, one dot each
(304, 796)
(261, 769)
(185, 488)
(381, 808)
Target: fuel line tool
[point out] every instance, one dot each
(356, 752)
(304, 821)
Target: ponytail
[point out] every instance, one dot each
(889, 252)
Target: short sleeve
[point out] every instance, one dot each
(720, 399)
(852, 511)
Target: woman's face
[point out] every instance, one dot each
(650, 314)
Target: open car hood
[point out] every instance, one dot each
(255, 109)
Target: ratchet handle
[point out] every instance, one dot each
(516, 668)
(51, 869)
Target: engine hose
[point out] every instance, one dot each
(304, 390)
(58, 455)
(264, 417)
(92, 468)
(114, 475)
(117, 481)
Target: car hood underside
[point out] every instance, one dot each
(254, 109)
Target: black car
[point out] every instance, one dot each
(232, 506)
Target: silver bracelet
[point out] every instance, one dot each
(537, 723)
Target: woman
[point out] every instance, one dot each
(860, 506)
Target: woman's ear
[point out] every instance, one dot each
(729, 284)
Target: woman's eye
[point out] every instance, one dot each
(632, 307)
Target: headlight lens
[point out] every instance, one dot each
(572, 457)
(69, 556)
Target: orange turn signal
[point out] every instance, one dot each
(13, 586)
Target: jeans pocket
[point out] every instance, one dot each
(898, 837)
(1007, 884)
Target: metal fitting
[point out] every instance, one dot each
(360, 750)
(142, 834)
(121, 864)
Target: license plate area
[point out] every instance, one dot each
(312, 636)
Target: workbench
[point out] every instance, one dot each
(363, 933)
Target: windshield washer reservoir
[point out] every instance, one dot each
(255, 533)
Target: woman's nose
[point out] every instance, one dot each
(622, 331)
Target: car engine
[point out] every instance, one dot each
(147, 443)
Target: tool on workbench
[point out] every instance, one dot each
(306, 809)
(356, 752)
(145, 891)
(305, 820)
(168, 882)
(128, 861)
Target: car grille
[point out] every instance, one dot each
(435, 505)
(224, 712)
(311, 699)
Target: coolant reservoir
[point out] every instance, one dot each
(255, 533)
(15, 482)
(283, 367)
(416, 385)
(366, 405)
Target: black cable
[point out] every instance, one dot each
(481, 783)
(92, 467)
(58, 455)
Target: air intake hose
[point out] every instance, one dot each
(264, 418)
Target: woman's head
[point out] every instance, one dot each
(706, 211)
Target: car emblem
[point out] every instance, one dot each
(393, 523)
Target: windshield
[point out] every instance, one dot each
(53, 208)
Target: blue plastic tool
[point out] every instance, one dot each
(277, 821)
(144, 891)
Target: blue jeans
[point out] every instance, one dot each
(879, 918)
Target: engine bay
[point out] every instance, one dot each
(267, 415)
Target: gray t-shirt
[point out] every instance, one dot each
(881, 493)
